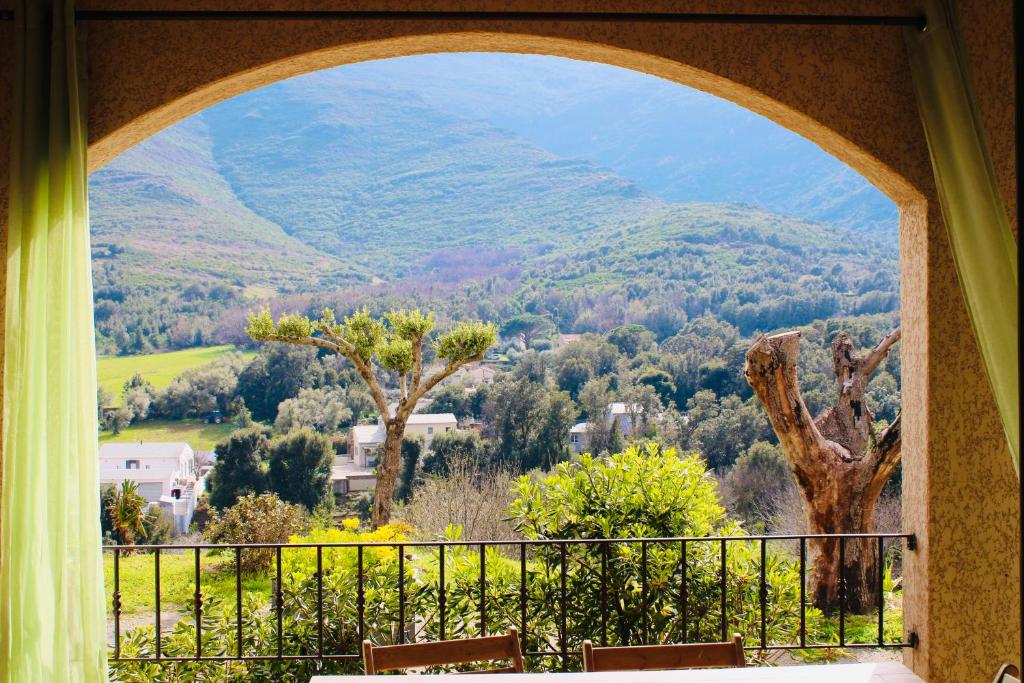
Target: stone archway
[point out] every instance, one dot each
(845, 88)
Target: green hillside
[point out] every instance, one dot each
(378, 184)
(157, 368)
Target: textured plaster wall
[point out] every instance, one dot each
(848, 89)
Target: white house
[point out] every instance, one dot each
(355, 472)
(616, 413)
(165, 472)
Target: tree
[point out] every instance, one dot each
(120, 419)
(411, 450)
(276, 374)
(395, 344)
(648, 492)
(721, 428)
(529, 423)
(757, 484)
(126, 512)
(527, 326)
(300, 467)
(631, 339)
(263, 518)
(451, 398)
(455, 446)
(840, 463)
(239, 468)
(642, 405)
(323, 410)
(594, 400)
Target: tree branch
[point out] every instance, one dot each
(369, 376)
(440, 376)
(338, 339)
(307, 341)
(886, 454)
(771, 371)
(417, 362)
(878, 354)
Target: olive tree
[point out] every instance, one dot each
(393, 342)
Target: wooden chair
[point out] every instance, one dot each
(416, 655)
(655, 657)
(1008, 673)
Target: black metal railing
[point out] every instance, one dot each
(591, 563)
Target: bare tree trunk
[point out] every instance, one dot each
(387, 473)
(839, 463)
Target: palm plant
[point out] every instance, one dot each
(127, 511)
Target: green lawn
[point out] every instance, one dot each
(200, 436)
(158, 368)
(177, 581)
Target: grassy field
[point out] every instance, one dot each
(177, 581)
(200, 436)
(158, 368)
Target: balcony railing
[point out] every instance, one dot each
(626, 591)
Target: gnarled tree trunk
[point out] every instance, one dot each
(839, 463)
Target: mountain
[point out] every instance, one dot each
(373, 174)
(676, 143)
(163, 213)
(485, 180)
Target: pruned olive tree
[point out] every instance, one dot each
(840, 463)
(393, 342)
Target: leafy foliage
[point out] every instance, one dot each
(239, 470)
(300, 468)
(262, 518)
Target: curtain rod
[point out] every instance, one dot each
(915, 21)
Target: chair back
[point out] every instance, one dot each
(656, 657)
(416, 655)
(1008, 673)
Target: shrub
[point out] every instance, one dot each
(649, 493)
(257, 519)
(239, 468)
(300, 467)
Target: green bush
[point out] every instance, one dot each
(640, 493)
(647, 492)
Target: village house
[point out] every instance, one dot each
(474, 374)
(616, 413)
(166, 473)
(354, 472)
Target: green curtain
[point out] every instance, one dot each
(979, 231)
(52, 618)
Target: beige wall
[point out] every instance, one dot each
(848, 89)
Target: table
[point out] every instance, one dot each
(830, 673)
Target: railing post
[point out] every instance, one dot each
(643, 594)
(483, 589)
(199, 609)
(319, 601)
(563, 630)
(442, 590)
(116, 603)
(401, 594)
(360, 597)
(156, 577)
(522, 596)
(604, 593)
(803, 591)
(684, 593)
(238, 597)
(842, 591)
(764, 594)
(881, 591)
(722, 590)
(279, 606)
